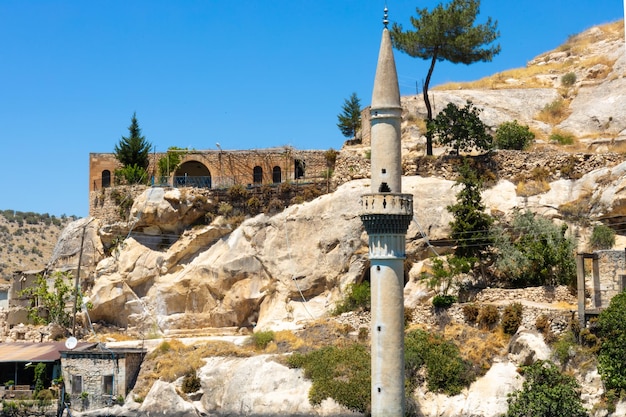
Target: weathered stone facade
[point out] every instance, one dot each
(98, 377)
(216, 169)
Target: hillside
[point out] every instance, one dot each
(577, 89)
(28, 240)
(174, 269)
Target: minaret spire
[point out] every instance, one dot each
(386, 214)
(385, 17)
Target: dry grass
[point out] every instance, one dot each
(531, 75)
(172, 359)
(527, 77)
(532, 187)
(577, 210)
(555, 112)
(417, 122)
(618, 147)
(478, 346)
(599, 60)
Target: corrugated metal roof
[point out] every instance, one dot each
(34, 352)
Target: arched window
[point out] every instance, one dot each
(192, 174)
(106, 178)
(276, 175)
(257, 175)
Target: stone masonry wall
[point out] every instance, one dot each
(611, 267)
(92, 371)
(224, 167)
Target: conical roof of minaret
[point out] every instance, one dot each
(386, 91)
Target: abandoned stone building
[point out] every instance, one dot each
(220, 168)
(601, 275)
(98, 376)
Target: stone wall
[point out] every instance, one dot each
(92, 371)
(611, 265)
(224, 168)
(107, 204)
(92, 366)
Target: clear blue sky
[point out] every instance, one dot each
(244, 73)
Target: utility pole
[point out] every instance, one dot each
(77, 280)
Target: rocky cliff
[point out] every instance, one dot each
(164, 273)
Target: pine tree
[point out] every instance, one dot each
(134, 149)
(350, 118)
(447, 34)
(470, 227)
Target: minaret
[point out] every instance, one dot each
(386, 214)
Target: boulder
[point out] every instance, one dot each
(259, 386)
(163, 400)
(527, 347)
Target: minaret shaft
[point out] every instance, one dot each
(386, 214)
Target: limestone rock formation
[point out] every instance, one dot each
(164, 400)
(259, 386)
(486, 397)
(277, 271)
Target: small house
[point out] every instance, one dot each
(99, 377)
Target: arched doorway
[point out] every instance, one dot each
(257, 175)
(106, 178)
(276, 175)
(192, 174)
(298, 170)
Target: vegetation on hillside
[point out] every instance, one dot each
(546, 392)
(52, 300)
(447, 33)
(28, 239)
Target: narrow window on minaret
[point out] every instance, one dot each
(384, 171)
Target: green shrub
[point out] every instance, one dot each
(224, 209)
(164, 347)
(562, 138)
(511, 318)
(191, 382)
(262, 339)
(512, 135)
(44, 396)
(568, 79)
(602, 237)
(341, 373)
(546, 392)
(554, 112)
(612, 331)
(488, 316)
(358, 297)
(533, 251)
(443, 300)
(589, 340)
(254, 205)
(131, 174)
(446, 371)
(563, 347)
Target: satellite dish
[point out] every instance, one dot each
(71, 343)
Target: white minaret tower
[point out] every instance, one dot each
(386, 214)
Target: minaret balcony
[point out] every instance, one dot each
(386, 213)
(387, 203)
